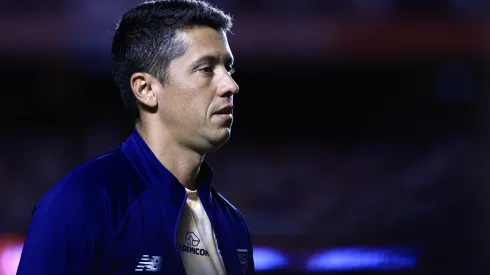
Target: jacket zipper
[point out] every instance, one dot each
(176, 229)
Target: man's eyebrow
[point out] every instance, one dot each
(213, 59)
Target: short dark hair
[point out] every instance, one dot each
(145, 39)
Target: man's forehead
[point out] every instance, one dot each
(203, 36)
(207, 44)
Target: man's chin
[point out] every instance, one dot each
(219, 139)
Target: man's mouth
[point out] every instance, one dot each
(227, 110)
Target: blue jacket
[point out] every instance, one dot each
(119, 213)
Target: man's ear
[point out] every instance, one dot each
(144, 89)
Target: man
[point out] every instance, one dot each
(148, 206)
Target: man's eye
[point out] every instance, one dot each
(206, 70)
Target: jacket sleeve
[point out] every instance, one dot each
(62, 237)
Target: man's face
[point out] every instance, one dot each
(194, 103)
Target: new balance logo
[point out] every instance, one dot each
(149, 264)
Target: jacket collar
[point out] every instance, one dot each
(160, 178)
(173, 195)
(164, 183)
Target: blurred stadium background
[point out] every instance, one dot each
(358, 145)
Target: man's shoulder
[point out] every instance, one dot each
(225, 203)
(99, 171)
(90, 181)
(109, 164)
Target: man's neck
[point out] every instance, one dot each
(182, 162)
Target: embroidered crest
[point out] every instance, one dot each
(243, 257)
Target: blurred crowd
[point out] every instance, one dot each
(348, 194)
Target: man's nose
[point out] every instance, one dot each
(228, 86)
